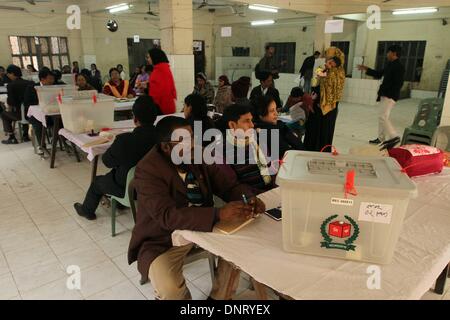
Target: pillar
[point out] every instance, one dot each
(360, 49)
(322, 40)
(176, 25)
(87, 42)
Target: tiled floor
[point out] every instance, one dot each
(41, 235)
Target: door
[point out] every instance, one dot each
(199, 56)
(138, 50)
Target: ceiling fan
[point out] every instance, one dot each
(150, 12)
(206, 4)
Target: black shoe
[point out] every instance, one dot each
(11, 140)
(389, 144)
(376, 141)
(26, 139)
(79, 209)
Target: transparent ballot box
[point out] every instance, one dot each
(85, 115)
(48, 96)
(343, 206)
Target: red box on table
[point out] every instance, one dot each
(339, 229)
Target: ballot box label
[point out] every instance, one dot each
(342, 202)
(375, 212)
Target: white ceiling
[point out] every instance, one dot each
(348, 9)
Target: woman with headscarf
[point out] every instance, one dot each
(224, 96)
(328, 92)
(162, 85)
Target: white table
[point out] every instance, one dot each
(94, 152)
(3, 89)
(422, 252)
(39, 114)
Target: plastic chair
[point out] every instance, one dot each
(427, 119)
(125, 201)
(441, 138)
(195, 254)
(22, 122)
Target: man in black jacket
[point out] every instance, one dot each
(16, 91)
(46, 78)
(266, 89)
(307, 70)
(126, 151)
(393, 78)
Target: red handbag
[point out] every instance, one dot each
(419, 160)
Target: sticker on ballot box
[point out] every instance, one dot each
(375, 212)
(342, 202)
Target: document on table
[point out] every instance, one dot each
(272, 198)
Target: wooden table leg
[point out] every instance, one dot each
(76, 152)
(234, 276)
(94, 168)
(56, 123)
(260, 290)
(440, 282)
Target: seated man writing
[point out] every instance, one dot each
(124, 153)
(177, 195)
(242, 151)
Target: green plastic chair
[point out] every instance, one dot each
(441, 138)
(125, 201)
(425, 123)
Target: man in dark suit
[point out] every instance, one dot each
(3, 77)
(46, 78)
(393, 78)
(124, 153)
(266, 89)
(16, 91)
(180, 197)
(307, 70)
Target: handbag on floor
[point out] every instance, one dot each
(419, 160)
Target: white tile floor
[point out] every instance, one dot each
(41, 235)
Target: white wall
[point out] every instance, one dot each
(24, 24)
(437, 50)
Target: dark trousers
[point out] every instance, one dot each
(8, 117)
(38, 127)
(102, 185)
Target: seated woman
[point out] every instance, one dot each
(266, 110)
(299, 105)
(224, 96)
(82, 83)
(141, 85)
(117, 87)
(196, 112)
(204, 88)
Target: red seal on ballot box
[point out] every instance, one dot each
(340, 229)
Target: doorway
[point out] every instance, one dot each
(138, 50)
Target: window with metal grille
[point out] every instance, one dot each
(285, 51)
(412, 57)
(241, 52)
(51, 52)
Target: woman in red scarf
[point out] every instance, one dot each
(161, 85)
(117, 87)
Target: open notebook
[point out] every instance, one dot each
(272, 199)
(230, 227)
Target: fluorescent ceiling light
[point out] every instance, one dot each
(118, 8)
(262, 22)
(261, 7)
(414, 11)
